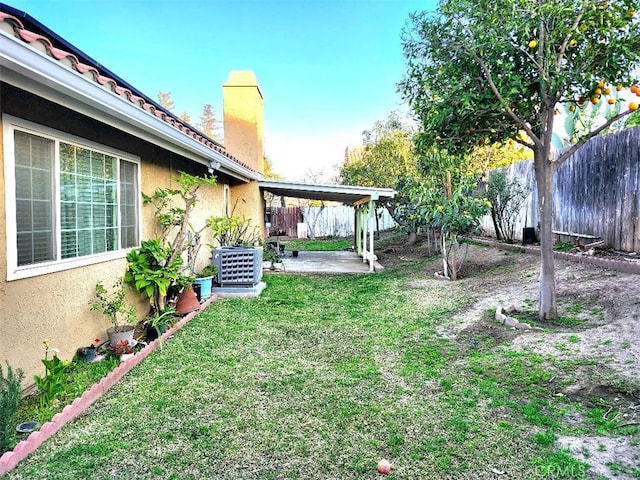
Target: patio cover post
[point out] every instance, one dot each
(365, 225)
(372, 212)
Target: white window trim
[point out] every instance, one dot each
(15, 272)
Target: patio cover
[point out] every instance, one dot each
(362, 198)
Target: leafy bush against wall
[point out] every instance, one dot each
(506, 198)
(9, 400)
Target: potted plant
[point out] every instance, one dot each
(158, 323)
(88, 354)
(152, 271)
(123, 350)
(203, 282)
(121, 315)
(272, 258)
(233, 231)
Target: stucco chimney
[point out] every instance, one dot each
(244, 118)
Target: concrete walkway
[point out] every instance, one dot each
(326, 262)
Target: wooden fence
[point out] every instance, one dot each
(285, 220)
(332, 221)
(595, 192)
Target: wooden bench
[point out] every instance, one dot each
(578, 237)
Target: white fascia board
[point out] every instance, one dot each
(374, 193)
(36, 72)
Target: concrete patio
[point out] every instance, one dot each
(326, 262)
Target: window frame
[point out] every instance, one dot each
(15, 272)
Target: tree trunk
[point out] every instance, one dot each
(544, 178)
(445, 259)
(453, 257)
(411, 238)
(496, 226)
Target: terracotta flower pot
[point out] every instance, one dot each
(187, 301)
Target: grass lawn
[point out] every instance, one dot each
(320, 377)
(318, 245)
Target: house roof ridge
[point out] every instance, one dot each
(94, 72)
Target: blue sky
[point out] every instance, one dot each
(328, 69)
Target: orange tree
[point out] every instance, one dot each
(489, 69)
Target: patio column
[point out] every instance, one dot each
(365, 225)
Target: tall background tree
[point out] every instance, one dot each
(481, 70)
(386, 160)
(164, 99)
(209, 124)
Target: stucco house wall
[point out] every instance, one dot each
(56, 305)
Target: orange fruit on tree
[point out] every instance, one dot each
(607, 91)
(619, 87)
(612, 101)
(633, 106)
(533, 44)
(601, 84)
(572, 108)
(598, 91)
(634, 88)
(595, 100)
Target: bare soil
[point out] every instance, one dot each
(598, 334)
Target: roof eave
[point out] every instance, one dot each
(31, 70)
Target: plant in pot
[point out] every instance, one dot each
(233, 231)
(121, 315)
(203, 282)
(152, 270)
(158, 323)
(123, 350)
(272, 258)
(88, 354)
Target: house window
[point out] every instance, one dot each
(69, 202)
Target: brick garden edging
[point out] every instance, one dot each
(612, 264)
(10, 459)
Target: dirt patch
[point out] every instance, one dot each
(596, 337)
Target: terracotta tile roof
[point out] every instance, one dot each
(13, 25)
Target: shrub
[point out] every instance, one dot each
(506, 198)
(9, 400)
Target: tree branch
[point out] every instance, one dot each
(589, 136)
(489, 78)
(567, 39)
